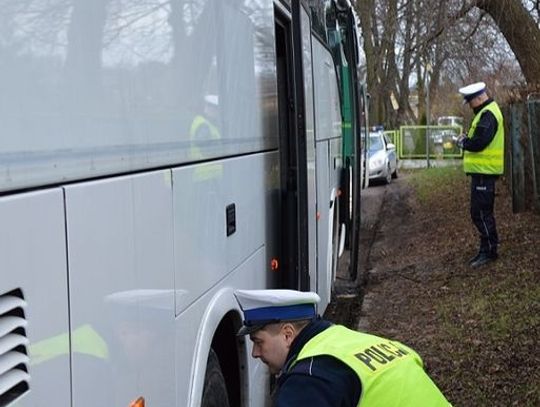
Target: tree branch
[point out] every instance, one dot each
(450, 21)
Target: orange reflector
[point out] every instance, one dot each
(318, 215)
(274, 264)
(137, 403)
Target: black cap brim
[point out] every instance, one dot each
(468, 98)
(249, 329)
(246, 330)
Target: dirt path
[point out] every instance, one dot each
(477, 330)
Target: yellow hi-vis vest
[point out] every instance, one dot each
(207, 171)
(391, 373)
(491, 159)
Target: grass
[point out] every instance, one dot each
(484, 345)
(496, 306)
(431, 183)
(492, 322)
(488, 318)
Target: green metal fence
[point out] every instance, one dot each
(435, 142)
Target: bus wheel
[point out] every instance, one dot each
(215, 390)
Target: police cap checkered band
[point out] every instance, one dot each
(263, 307)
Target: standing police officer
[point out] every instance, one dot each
(318, 364)
(483, 160)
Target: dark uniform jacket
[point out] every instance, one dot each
(321, 381)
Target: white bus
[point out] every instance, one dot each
(154, 156)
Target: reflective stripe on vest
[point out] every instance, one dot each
(491, 159)
(85, 340)
(391, 373)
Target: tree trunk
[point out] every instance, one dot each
(405, 112)
(521, 32)
(391, 73)
(365, 11)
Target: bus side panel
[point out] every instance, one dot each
(121, 290)
(312, 183)
(336, 162)
(324, 200)
(33, 259)
(220, 218)
(328, 125)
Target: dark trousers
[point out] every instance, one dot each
(482, 203)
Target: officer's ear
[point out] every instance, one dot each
(289, 332)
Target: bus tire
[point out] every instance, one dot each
(215, 389)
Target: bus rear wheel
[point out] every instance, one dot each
(215, 389)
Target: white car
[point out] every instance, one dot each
(382, 158)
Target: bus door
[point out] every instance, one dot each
(344, 44)
(359, 155)
(297, 147)
(304, 80)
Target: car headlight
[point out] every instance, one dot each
(376, 161)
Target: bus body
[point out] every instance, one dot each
(154, 157)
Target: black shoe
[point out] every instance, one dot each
(473, 259)
(483, 258)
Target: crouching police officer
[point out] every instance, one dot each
(483, 160)
(318, 364)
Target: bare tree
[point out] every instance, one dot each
(397, 54)
(460, 40)
(520, 30)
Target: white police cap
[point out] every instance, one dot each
(263, 307)
(469, 92)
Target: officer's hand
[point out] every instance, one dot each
(461, 141)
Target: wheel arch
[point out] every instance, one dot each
(217, 331)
